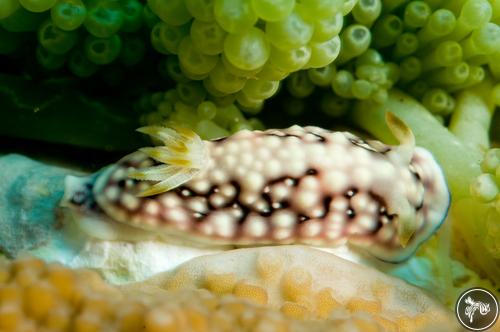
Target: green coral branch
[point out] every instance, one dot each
(469, 218)
(471, 119)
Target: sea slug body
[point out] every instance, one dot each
(298, 185)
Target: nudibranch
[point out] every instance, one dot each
(303, 185)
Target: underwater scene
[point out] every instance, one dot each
(249, 165)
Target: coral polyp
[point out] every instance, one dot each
(36, 296)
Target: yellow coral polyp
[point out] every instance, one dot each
(267, 325)
(295, 310)
(366, 325)
(269, 265)
(296, 283)
(88, 321)
(370, 306)
(325, 303)
(236, 309)
(10, 293)
(10, 315)
(198, 322)
(206, 299)
(159, 320)
(4, 276)
(130, 316)
(419, 322)
(220, 283)
(99, 305)
(179, 280)
(62, 279)
(58, 319)
(251, 292)
(386, 324)
(39, 299)
(248, 318)
(26, 276)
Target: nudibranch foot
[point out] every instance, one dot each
(300, 185)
